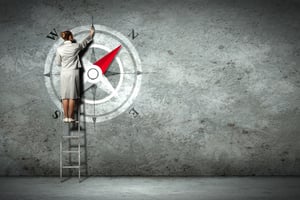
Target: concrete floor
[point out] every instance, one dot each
(44, 188)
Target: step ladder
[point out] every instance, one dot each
(72, 139)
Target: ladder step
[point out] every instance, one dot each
(76, 163)
(76, 121)
(76, 146)
(70, 151)
(72, 136)
(69, 167)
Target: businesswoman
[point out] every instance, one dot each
(67, 57)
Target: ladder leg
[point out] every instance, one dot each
(60, 160)
(60, 145)
(79, 162)
(69, 149)
(79, 166)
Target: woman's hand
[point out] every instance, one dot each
(92, 31)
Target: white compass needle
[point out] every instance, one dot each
(93, 74)
(106, 85)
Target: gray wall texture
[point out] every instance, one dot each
(221, 96)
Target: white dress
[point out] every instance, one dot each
(67, 57)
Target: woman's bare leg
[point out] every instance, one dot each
(66, 107)
(71, 108)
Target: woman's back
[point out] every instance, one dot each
(69, 55)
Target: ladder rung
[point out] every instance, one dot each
(76, 163)
(76, 146)
(70, 151)
(75, 129)
(72, 136)
(65, 167)
(76, 121)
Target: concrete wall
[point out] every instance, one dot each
(221, 94)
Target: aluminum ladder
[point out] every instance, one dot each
(70, 147)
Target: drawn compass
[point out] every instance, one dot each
(111, 78)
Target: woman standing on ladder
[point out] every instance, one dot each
(67, 57)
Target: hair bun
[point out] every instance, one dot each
(66, 35)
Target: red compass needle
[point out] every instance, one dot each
(106, 60)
